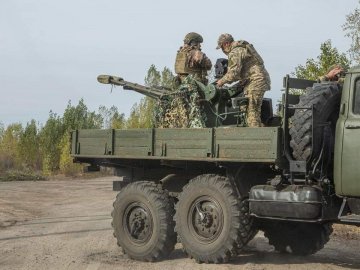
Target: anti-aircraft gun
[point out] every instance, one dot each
(221, 106)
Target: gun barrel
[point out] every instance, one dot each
(144, 90)
(107, 79)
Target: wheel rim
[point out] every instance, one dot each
(138, 222)
(205, 219)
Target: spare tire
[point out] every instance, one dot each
(306, 141)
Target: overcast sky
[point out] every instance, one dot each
(52, 51)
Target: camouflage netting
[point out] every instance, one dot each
(182, 108)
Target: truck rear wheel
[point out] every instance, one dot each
(326, 101)
(143, 221)
(298, 238)
(209, 219)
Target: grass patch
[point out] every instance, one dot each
(17, 175)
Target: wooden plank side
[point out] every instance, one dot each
(247, 143)
(92, 150)
(94, 133)
(188, 134)
(133, 142)
(133, 151)
(73, 142)
(180, 143)
(186, 153)
(218, 144)
(93, 141)
(247, 154)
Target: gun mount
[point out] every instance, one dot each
(221, 106)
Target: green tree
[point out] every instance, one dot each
(50, 136)
(66, 164)
(111, 117)
(9, 144)
(153, 77)
(142, 113)
(352, 29)
(2, 129)
(75, 117)
(167, 78)
(315, 68)
(29, 146)
(133, 120)
(79, 117)
(118, 120)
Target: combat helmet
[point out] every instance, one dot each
(224, 38)
(193, 37)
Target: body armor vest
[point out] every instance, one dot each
(182, 64)
(251, 50)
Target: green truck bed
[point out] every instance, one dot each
(234, 144)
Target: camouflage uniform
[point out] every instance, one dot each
(339, 79)
(191, 60)
(246, 65)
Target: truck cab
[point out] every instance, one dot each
(347, 138)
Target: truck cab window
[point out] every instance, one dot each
(357, 97)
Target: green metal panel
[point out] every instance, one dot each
(74, 139)
(183, 143)
(133, 142)
(236, 144)
(247, 144)
(93, 142)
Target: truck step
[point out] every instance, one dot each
(354, 219)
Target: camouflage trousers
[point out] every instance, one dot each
(181, 111)
(254, 107)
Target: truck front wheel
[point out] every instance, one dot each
(209, 219)
(143, 221)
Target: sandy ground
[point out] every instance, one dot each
(65, 224)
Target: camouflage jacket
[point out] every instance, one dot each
(324, 78)
(245, 65)
(191, 60)
(340, 78)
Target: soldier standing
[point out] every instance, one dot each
(246, 66)
(191, 60)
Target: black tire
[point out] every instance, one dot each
(326, 101)
(298, 238)
(210, 221)
(143, 221)
(279, 235)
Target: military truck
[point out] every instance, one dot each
(213, 188)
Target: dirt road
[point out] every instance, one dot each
(66, 225)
